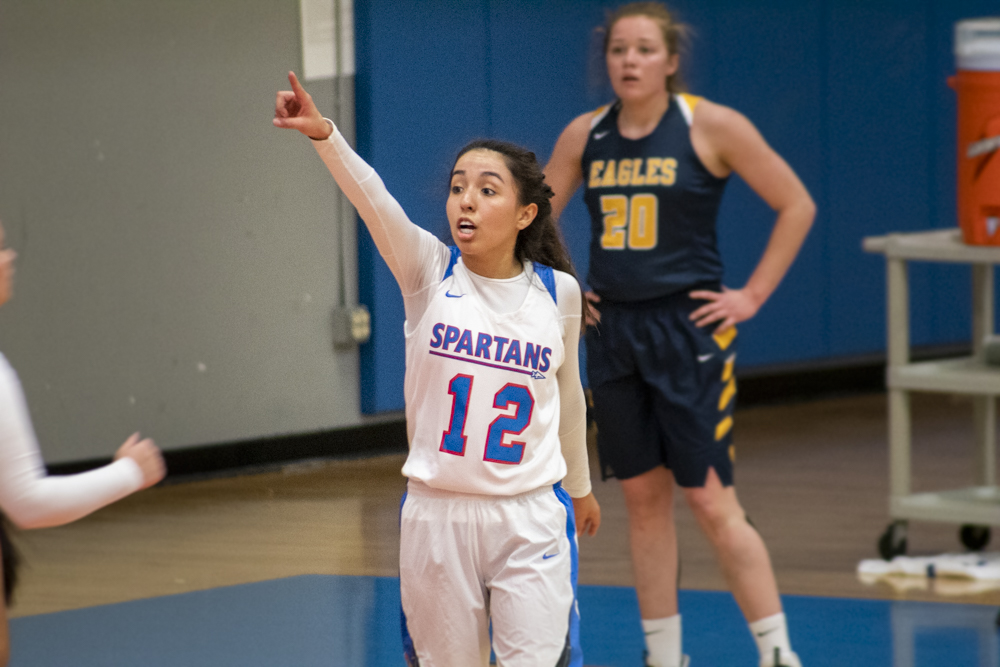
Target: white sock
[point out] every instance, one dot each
(663, 641)
(772, 633)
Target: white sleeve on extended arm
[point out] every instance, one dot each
(28, 495)
(573, 407)
(413, 254)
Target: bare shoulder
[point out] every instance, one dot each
(564, 171)
(724, 139)
(714, 119)
(574, 138)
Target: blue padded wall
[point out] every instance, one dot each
(852, 93)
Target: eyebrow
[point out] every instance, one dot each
(461, 172)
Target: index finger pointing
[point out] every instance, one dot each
(296, 86)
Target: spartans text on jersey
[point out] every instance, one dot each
(511, 353)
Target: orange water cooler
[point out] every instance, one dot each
(977, 83)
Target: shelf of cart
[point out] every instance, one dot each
(974, 505)
(941, 245)
(965, 375)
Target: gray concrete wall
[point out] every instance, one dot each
(178, 255)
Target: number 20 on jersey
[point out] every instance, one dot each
(630, 222)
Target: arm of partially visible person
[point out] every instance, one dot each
(412, 253)
(732, 141)
(33, 499)
(573, 412)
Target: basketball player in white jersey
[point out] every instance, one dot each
(29, 496)
(495, 411)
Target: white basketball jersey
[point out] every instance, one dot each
(482, 400)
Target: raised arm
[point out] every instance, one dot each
(33, 499)
(727, 141)
(408, 249)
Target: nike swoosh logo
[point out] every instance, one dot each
(453, 296)
(600, 135)
(652, 632)
(702, 358)
(766, 632)
(548, 556)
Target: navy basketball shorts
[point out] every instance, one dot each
(663, 390)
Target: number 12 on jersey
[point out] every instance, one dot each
(454, 439)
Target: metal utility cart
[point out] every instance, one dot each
(977, 507)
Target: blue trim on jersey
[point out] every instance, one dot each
(576, 652)
(455, 254)
(409, 653)
(548, 277)
(544, 272)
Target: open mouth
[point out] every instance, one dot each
(465, 226)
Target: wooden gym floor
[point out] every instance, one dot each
(813, 476)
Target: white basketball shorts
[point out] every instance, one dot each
(466, 560)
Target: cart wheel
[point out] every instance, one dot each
(974, 537)
(893, 541)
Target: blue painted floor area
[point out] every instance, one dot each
(354, 622)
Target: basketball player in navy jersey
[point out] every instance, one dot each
(654, 165)
(494, 407)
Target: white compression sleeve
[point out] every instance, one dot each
(573, 407)
(412, 253)
(30, 497)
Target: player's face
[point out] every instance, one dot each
(7, 257)
(483, 209)
(638, 60)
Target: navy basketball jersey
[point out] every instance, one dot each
(653, 207)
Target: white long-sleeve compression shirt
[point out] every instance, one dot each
(28, 495)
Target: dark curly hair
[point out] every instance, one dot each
(540, 241)
(11, 560)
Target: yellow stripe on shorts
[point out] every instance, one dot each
(727, 395)
(727, 371)
(724, 339)
(723, 428)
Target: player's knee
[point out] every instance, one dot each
(704, 505)
(648, 505)
(649, 492)
(714, 512)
